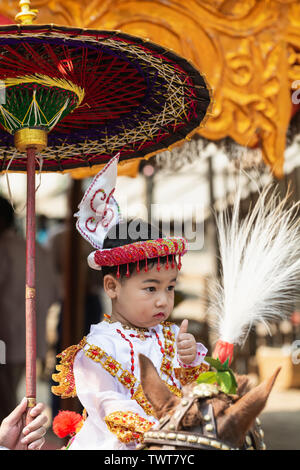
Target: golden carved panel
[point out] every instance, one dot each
(248, 49)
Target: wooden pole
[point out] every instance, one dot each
(30, 305)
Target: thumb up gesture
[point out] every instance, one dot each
(186, 344)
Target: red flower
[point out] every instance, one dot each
(223, 351)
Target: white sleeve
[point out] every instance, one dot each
(100, 394)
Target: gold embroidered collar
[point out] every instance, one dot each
(139, 330)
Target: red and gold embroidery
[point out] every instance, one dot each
(95, 353)
(111, 365)
(124, 376)
(140, 398)
(127, 426)
(168, 354)
(175, 390)
(189, 374)
(166, 366)
(65, 377)
(127, 378)
(167, 332)
(169, 348)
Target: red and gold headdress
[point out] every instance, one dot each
(99, 213)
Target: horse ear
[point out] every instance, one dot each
(156, 392)
(243, 383)
(239, 417)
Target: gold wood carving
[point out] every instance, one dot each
(248, 49)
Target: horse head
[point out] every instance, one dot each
(204, 418)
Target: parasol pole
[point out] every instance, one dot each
(30, 304)
(30, 141)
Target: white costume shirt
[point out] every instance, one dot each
(101, 393)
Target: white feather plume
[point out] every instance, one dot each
(260, 258)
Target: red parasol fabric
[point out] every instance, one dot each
(76, 97)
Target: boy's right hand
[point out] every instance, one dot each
(186, 344)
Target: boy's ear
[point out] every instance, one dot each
(111, 286)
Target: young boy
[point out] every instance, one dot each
(139, 276)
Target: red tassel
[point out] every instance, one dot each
(173, 265)
(146, 266)
(127, 272)
(158, 264)
(138, 266)
(66, 423)
(179, 262)
(167, 263)
(118, 272)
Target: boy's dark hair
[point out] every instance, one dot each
(125, 233)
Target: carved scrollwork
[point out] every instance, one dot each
(248, 51)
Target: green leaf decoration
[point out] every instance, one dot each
(234, 382)
(224, 375)
(224, 381)
(207, 377)
(216, 363)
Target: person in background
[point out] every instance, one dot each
(12, 305)
(42, 229)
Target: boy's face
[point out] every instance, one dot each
(146, 298)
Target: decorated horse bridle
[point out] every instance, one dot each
(202, 437)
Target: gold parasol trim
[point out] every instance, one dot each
(25, 138)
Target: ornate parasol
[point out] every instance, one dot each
(74, 98)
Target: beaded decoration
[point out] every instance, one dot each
(139, 251)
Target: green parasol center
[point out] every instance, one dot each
(37, 102)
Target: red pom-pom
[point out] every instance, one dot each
(65, 423)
